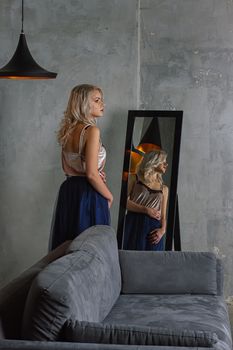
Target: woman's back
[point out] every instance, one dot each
(73, 140)
(73, 153)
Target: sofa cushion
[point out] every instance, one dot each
(194, 312)
(168, 272)
(91, 241)
(82, 284)
(91, 332)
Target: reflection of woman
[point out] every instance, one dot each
(145, 223)
(84, 198)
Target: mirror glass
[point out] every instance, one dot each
(148, 215)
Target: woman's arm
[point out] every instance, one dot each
(164, 209)
(137, 208)
(157, 234)
(92, 145)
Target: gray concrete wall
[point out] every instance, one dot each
(186, 62)
(84, 41)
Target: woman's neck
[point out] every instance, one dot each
(155, 184)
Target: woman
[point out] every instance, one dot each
(145, 223)
(84, 199)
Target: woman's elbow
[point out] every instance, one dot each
(91, 175)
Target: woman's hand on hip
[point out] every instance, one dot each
(153, 213)
(155, 236)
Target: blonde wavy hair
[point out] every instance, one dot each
(77, 111)
(147, 168)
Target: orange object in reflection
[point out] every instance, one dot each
(125, 175)
(147, 147)
(135, 158)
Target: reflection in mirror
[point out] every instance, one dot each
(145, 223)
(149, 205)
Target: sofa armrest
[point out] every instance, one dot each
(146, 272)
(13, 295)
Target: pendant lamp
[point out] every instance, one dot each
(22, 65)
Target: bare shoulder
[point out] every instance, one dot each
(93, 131)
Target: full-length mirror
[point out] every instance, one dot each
(148, 214)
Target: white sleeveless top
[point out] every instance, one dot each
(144, 195)
(74, 164)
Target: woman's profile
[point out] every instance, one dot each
(145, 223)
(84, 198)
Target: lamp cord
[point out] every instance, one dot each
(22, 17)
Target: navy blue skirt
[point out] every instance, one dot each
(136, 231)
(78, 207)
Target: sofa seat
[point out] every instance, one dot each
(194, 312)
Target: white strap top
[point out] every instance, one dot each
(74, 164)
(143, 195)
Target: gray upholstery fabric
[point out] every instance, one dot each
(13, 295)
(100, 241)
(220, 277)
(90, 332)
(91, 240)
(84, 284)
(194, 312)
(168, 272)
(45, 345)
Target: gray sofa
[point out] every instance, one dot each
(88, 295)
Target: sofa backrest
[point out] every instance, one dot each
(13, 295)
(84, 285)
(171, 273)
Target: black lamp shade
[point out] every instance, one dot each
(23, 66)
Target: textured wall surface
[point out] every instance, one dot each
(179, 57)
(187, 64)
(84, 41)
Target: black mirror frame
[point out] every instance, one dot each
(173, 226)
